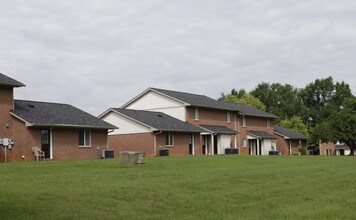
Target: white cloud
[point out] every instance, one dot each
(99, 54)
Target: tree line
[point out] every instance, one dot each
(323, 110)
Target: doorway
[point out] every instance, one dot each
(191, 144)
(215, 144)
(46, 142)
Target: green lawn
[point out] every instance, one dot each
(215, 187)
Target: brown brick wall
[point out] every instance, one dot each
(254, 124)
(218, 117)
(24, 139)
(6, 105)
(283, 145)
(65, 143)
(145, 142)
(210, 117)
(131, 142)
(181, 144)
(325, 146)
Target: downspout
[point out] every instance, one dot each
(236, 137)
(107, 139)
(155, 143)
(237, 128)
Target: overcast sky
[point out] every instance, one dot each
(100, 54)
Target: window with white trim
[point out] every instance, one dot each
(227, 117)
(196, 114)
(84, 138)
(268, 125)
(244, 142)
(169, 139)
(243, 121)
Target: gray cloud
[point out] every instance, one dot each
(99, 54)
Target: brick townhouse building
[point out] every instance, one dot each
(223, 125)
(61, 131)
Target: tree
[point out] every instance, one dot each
(295, 124)
(340, 125)
(246, 99)
(233, 93)
(315, 97)
(281, 100)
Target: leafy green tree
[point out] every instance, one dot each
(246, 99)
(234, 93)
(281, 100)
(295, 124)
(340, 125)
(319, 100)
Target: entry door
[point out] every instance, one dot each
(204, 145)
(46, 142)
(191, 143)
(216, 144)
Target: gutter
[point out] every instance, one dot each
(107, 142)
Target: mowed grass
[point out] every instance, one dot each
(211, 187)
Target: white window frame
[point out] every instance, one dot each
(169, 139)
(268, 123)
(244, 121)
(196, 114)
(244, 142)
(228, 117)
(86, 133)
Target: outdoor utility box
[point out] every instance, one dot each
(274, 152)
(231, 151)
(310, 152)
(108, 153)
(163, 152)
(132, 157)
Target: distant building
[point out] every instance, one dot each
(338, 149)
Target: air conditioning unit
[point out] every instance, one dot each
(108, 153)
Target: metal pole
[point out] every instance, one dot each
(5, 154)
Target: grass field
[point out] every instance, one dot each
(215, 187)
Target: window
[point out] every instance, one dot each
(244, 142)
(243, 121)
(169, 139)
(227, 117)
(268, 123)
(196, 114)
(84, 138)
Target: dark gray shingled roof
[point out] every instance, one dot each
(159, 120)
(261, 134)
(56, 114)
(205, 101)
(218, 129)
(341, 146)
(7, 81)
(289, 133)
